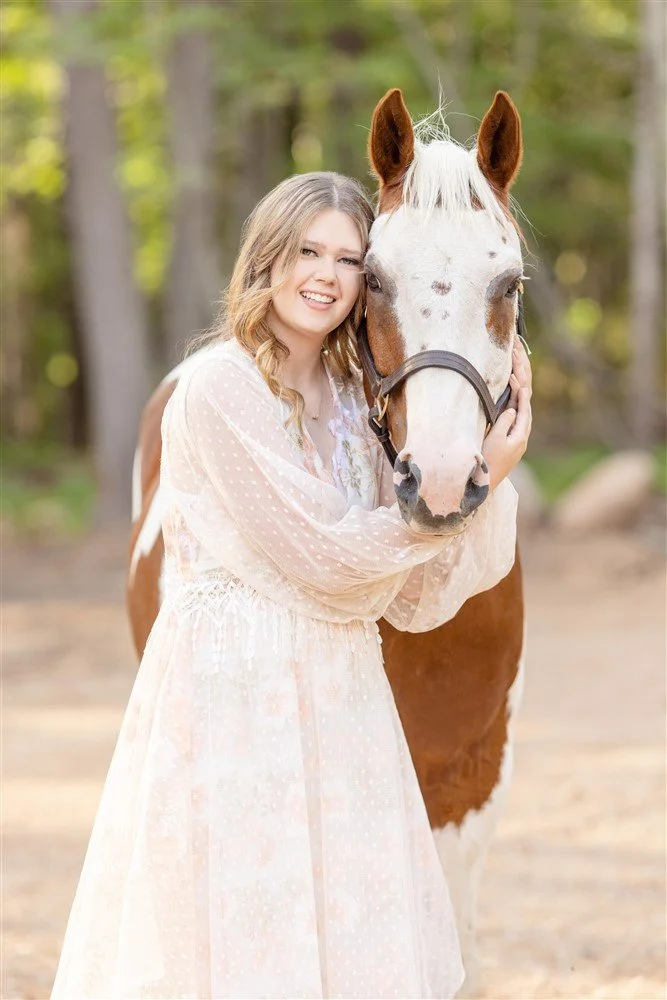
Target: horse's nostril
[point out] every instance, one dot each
(407, 480)
(404, 465)
(477, 488)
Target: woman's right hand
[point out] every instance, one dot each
(506, 442)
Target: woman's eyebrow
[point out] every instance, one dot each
(321, 246)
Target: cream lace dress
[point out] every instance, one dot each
(261, 832)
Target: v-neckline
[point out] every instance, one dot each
(326, 473)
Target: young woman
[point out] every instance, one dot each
(261, 832)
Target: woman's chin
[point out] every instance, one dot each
(317, 326)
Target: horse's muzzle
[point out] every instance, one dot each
(415, 510)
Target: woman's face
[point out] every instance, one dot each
(324, 286)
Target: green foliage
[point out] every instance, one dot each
(558, 468)
(45, 489)
(313, 70)
(32, 152)
(660, 465)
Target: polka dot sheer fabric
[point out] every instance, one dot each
(261, 832)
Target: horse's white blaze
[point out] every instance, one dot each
(446, 460)
(439, 253)
(463, 848)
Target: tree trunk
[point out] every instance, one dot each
(647, 230)
(20, 415)
(194, 278)
(260, 163)
(434, 73)
(260, 151)
(113, 319)
(351, 42)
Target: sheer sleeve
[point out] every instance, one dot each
(240, 485)
(475, 561)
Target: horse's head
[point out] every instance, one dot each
(443, 271)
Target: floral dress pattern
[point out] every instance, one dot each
(261, 832)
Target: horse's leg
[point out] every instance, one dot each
(463, 846)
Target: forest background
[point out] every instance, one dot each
(138, 134)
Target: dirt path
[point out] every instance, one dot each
(573, 901)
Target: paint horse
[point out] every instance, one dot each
(443, 268)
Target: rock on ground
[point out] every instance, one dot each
(611, 495)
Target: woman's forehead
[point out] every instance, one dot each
(334, 229)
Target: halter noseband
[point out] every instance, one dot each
(382, 385)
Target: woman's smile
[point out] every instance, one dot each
(317, 300)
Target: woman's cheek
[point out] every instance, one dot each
(353, 288)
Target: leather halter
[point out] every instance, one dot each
(382, 385)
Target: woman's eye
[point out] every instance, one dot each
(307, 251)
(372, 282)
(351, 262)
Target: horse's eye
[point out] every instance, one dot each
(372, 282)
(513, 289)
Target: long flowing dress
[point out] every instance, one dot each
(261, 832)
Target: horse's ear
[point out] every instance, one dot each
(499, 144)
(391, 146)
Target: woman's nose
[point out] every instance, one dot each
(326, 270)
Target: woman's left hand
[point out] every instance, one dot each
(506, 442)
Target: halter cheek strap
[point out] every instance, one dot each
(381, 386)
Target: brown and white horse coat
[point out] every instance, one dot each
(446, 259)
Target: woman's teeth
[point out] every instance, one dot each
(314, 297)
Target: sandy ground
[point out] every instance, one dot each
(573, 900)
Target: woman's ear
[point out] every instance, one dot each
(499, 144)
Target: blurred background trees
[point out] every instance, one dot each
(137, 136)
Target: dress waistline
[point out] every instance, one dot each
(215, 591)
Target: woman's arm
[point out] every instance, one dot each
(235, 471)
(474, 561)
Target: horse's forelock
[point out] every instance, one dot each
(444, 175)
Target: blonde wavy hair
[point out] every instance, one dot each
(277, 226)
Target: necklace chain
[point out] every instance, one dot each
(316, 416)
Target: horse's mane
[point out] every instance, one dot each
(445, 174)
